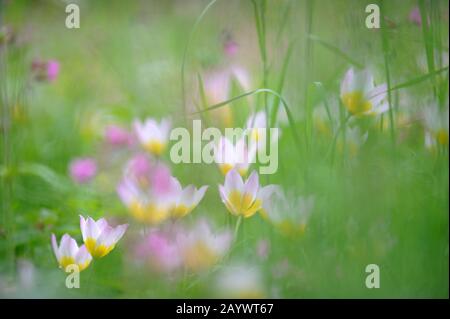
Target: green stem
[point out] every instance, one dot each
(386, 50)
(186, 48)
(283, 101)
(260, 22)
(7, 180)
(338, 131)
(308, 71)
(236, 228)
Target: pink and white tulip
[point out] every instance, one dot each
(68, 253)
(288, 213)
(201, 247)
(99, 237)
(145, 205)
(83, 170)
(161, 251)
(185, 199)
(436, 122)
(360, 95)
(118, 136)
(243, 199)
(237, 156)
(153, 136)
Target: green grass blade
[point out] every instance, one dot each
(186, 48)
(258, 91)
(336, 51)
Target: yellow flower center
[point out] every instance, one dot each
(97, 251)
(225, 168)
(242, 204)
(356, 103)
(442, 137)
(181, 210)
(290, 229)
(200, 256)
(84, 266)
(66, 261)
(155, 147)
(151, 214)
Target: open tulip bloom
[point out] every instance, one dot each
(354, 139)
(255, 121)
(201, 247)
(185, 199)
(436, 125)
(237, 156)
(288, 213)
(99, 237)
(146, 205)
(243, 199)
(170, 249)
(157, 203)
(152, 135)
(68, 253)
(360, 96)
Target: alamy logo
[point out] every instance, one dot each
(373, 19)
(73, 279)
(373, 279)
(235, 148)
(73, 16)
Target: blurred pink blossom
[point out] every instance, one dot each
(230, 48)
(161, 180)
(45, 70)
(161, 251)
(82, 170)
(52, 70)
(143, 171)
(416, 18)
(173, 247)
(118, 136)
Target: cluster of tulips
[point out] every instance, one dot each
(154, 197)
(99, 239)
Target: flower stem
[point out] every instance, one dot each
(236, 228)
(7, 221)
(386, 49)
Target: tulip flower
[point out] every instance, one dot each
(201, 247)
(152, 135)
(99, 237)
(234, 156)
(161, 251)
(257, 129)
(243, 199)
(185, 200)
(147, 190)
(83, 170)
(288, 213)
(174, 247)
(360, 96)
(217, 86)
(354, 139)
(240, 281)
(145, 206)
(255, 121)
(326, 117)
(117, 136)
(68, 253)
(436, 126)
